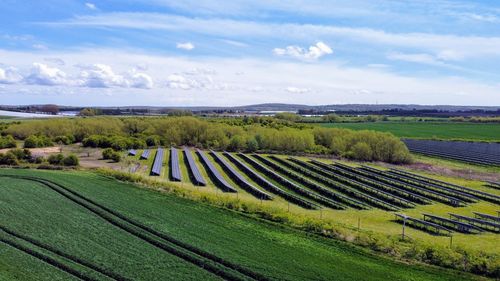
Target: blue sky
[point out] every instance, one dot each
(207, 52)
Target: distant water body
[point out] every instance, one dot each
(26, 115)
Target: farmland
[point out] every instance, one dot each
(33, 209)
(429, 130)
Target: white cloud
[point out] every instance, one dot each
(295, 90)
(39, 47)
(468, 46)
(417, 58)
(185, 46)
(141, 80)
(313, 53)
(103, 76)
(176, 81)
(329, 81)
(91, 6)
(41, 74)
(197, 78)
(9, 75)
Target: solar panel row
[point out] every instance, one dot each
(429, 193)
(452, 224)
(423, 225)
(372, 196)
(270, 186)
(470, 152)
(132, 152)
(483, 224)
(175, 168)
(158, 163)
(326, 169)
(212, 170)
(198, 178)
(145, 154)
(462, 190)
(237, 177)
(293, 186)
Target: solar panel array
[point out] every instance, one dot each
(212, 170)
(423, 225)
(470, 152)
(372, 196)
(422, 190)
(132, 152)
(198, 178)
(158, 163)
(175, 168)
(457, 189)
(145, 154)
(270, 186)
(483, 224)
(452, 224)
(237, 177)
(292, 185)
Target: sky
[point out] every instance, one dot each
(226, 53)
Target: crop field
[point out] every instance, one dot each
(348, 195)
(429, 130)
(81, 226)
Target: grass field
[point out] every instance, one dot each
(278, 253)
(428, 130)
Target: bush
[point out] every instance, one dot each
(55, 159)
(7, 142)
(70, 160)
(110, 154)
(8, 159)
(37, 141)
(116, 157)
(64, 139)
(361, 151)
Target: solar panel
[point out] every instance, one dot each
(132, 152)
(452, 224)
(145, 154)
(212, 170)
(371, 195)
(487, 217)
(158, 163)
(270, 186)
(295, 187)
(430, 193)
(237, 177)
(326, 169)
(198, 178)
(462, 190)
(175, 168)
(483, 224)
(424, 225)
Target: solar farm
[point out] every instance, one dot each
(381, 198)
(468, 152)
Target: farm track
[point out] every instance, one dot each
(209, 262)
(47, 259)
(62, 254)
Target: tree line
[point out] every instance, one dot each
(138, 132)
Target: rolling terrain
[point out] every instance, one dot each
(96, 228)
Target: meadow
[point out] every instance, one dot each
(30, 208)
(429, 130)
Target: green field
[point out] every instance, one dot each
(428, 130)
(33, 209)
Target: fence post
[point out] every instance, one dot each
(404, 224)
